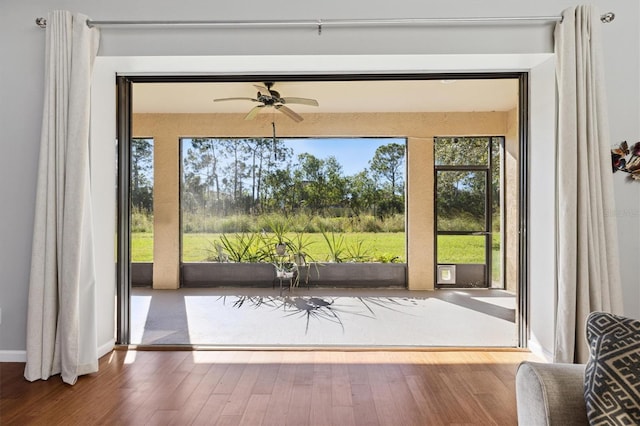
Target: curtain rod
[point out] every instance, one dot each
(319, 23)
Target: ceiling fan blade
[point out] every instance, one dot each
(301, 101)
(262, 90)
(289, 113)
(235, 99)
(254, 111)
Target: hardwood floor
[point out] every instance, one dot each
(434, 387)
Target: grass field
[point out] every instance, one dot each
(375, 245)
(198, 247)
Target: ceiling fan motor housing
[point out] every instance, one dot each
(271, 98)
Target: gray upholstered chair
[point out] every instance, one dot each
(550, 394)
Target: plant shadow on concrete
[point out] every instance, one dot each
(321, 308)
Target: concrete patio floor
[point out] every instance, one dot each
(323, 317)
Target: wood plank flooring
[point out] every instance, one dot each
(434, 387)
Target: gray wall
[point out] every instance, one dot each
(21, 75)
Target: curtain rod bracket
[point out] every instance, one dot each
(608, 17)
(41, 22)
(319, 27)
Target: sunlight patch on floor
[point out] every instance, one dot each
(139, 312)
(508, 302)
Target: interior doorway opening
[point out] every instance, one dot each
(406, 124)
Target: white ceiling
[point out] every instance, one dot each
(334, 96)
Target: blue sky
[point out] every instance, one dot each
(352, 153)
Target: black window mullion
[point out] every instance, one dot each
(448, 168)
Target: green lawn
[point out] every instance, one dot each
(142, 247)
(197, 247)
(468, 249)
(380, 245)
(460, 249)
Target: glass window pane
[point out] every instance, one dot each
(457, 249)
(496, 260)
(351, 187)
(142, 200)
(496, 212)
(461, 151)
(460, 200)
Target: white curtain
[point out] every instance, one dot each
(61, 322)
(588, 267)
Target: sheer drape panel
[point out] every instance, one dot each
(587, 247)
(61, 322)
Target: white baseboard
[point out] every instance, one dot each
(21, 356)
(539, 351)
(106, 348)
(13, 356)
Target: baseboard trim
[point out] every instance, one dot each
(13, 356)
(539, 351)
(21, 356)
(106, 348)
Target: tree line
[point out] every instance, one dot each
(462, 181)
(256, 176)
(259, 176)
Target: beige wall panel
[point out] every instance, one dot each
(166, 229)
(322, 125)
(418, 128)
(420, 214)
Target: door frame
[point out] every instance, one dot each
(125, 120)
(537, 318)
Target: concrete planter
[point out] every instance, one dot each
(212, 274)
(468, 275)
(355, 275)
(141, 274)
(347, 275)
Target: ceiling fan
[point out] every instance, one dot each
(268, 97)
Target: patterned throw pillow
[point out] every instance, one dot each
(612, 376)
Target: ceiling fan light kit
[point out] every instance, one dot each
(268, 97)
